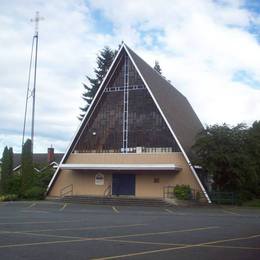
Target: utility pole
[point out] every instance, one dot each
(32, 92)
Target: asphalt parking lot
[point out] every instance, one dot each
(51, 230)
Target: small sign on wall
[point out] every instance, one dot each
(99, 179)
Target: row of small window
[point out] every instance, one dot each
(122, 88)
(132, 79)
(130, 150)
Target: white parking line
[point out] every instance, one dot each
(115, 209)
(63, 207)
(169, 211)
(231, 212)
(32, 205)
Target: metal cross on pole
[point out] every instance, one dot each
(36, 21)
(32, 92)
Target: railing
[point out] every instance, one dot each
(67, 190)
(108, 191)
(168, 193)
(137, 150)
(222, 197)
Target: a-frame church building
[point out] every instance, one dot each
(135, 138)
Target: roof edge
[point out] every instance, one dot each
(84, 119)
(169, 126)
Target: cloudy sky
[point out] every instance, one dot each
(209, 49)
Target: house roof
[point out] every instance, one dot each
(38, 158)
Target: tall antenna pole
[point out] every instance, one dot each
(27, 91)
(36, 37)
(31, 92)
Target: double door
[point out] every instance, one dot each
(123, 184)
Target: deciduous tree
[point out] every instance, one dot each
(222, 151)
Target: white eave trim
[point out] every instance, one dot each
(17, 168)
(115, 167)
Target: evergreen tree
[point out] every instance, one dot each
(7, 169)
(27, 166)
(104, 60)
(157, 67)
(11, 156)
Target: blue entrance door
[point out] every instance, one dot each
(123, 184)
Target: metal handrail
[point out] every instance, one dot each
(62, 193)
(107, 192)
(223, 197)
(168, 192)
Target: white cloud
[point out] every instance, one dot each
(200, 45)
(203, 45)
(68, 45)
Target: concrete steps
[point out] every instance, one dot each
(117, 201)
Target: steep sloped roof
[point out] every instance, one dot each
(175, 107)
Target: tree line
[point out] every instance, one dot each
(25, 183)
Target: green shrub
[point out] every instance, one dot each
(34, 193)
(14, 184)
(182, 192)
(8, 197)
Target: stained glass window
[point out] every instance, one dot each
(147, 131)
